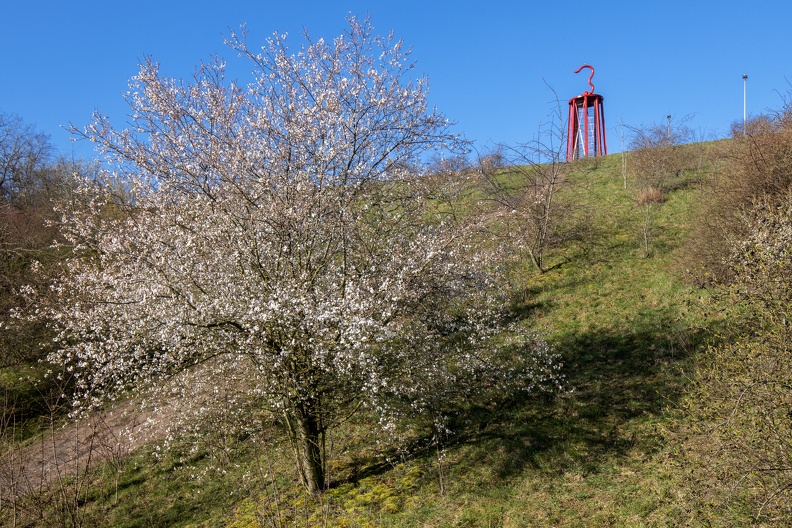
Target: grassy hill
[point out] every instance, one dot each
(601, 453)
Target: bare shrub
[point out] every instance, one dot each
(741, 455)
(754, 126)
(649, 195)
(531, 198)
(658, 152)
(760, 168)
(657, 160)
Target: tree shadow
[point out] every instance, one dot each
(616, 380)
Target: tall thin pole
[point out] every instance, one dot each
(745, 92)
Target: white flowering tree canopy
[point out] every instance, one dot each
(281, 229)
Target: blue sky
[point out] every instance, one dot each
(493, 66)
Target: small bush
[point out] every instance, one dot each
(650, 195)
(760, 168)
(741, 456)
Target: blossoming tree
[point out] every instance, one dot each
(280, 234)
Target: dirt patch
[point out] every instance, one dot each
(73, 448)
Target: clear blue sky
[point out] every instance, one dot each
(491, 64)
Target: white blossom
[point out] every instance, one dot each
(275, 246)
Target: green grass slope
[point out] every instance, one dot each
(599, 454)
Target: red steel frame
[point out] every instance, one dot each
(579, 116)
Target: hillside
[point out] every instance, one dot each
(603, 452)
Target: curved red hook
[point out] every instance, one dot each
(590, 76)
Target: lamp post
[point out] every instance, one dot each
(745, 91)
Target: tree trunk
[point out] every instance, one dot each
(536, 259)
(307, 441)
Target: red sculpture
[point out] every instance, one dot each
(586, 124)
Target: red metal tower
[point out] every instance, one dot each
(586, 124)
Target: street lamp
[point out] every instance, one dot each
(745, 91)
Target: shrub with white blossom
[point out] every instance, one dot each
(280, 237)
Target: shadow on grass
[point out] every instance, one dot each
(617, 380)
